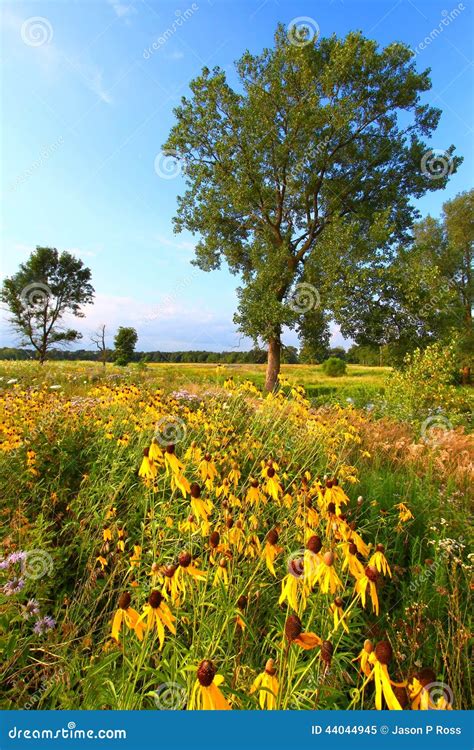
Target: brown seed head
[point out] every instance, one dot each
(124, 600)
(314, 544)
(170, 570)
(207, 457)
(293, 627)
(254, 483)
(195, 490)
(371, 573)
(401, 695)
(426, 676)
(214, 539)
(272, 536)
(229, 522)
(383, 652)
(146, 452)
(352, 548)
(206, 673)
(328, 558)
(331, 508)
(329, 483)
(327, 650)
(368, 646)
(170, 448)
(184, 559)
(338, 601)
(380, 548)
(242, 602)
(155, 599)
(270, 472)
(269, 667)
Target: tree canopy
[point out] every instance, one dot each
(46, 287)
(302, 178)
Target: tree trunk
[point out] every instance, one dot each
(273, 363)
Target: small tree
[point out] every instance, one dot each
(45, 288)
(98, 338)
(125, 342)
(334, 367)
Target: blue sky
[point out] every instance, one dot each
(87, 104)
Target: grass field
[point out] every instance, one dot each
(164, 524)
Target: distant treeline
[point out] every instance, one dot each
(254, 356)
(363, 355)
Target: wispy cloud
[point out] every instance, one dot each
(122, 10)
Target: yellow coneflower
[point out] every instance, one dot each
(155, 453)
(335, 494)
(135, 558)
(158, 616)
(179, 481)
(294, 589)
(379, 561)
(379, 659)
(404, 513)
(419, 692)
(206, 695)
(363, 658)
(312, 560)
(294, 634)
(267, 685)
(221, 575)
(107, 534)
(235, 474)
(254, 496)
(126, 614)
(201, 508)
(172, 462)
(102, 562)
(207, 469)
(186, 572)
(121, 540)
(224, 489)
(326, 576)
(193, 453)
(272, 484)
(368, 580)
(147, 470)
(351, 561)
(339, 616)
(271, 550)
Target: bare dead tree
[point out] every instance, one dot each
(98, 338)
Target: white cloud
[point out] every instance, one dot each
(122, 9)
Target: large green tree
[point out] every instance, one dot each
(45, 288)
(426, 292)
(299, 177)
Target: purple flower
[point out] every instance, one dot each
(31, 609)
(13, 587)
(44, 624)
(17, 557)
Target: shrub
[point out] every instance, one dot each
(334, 367)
